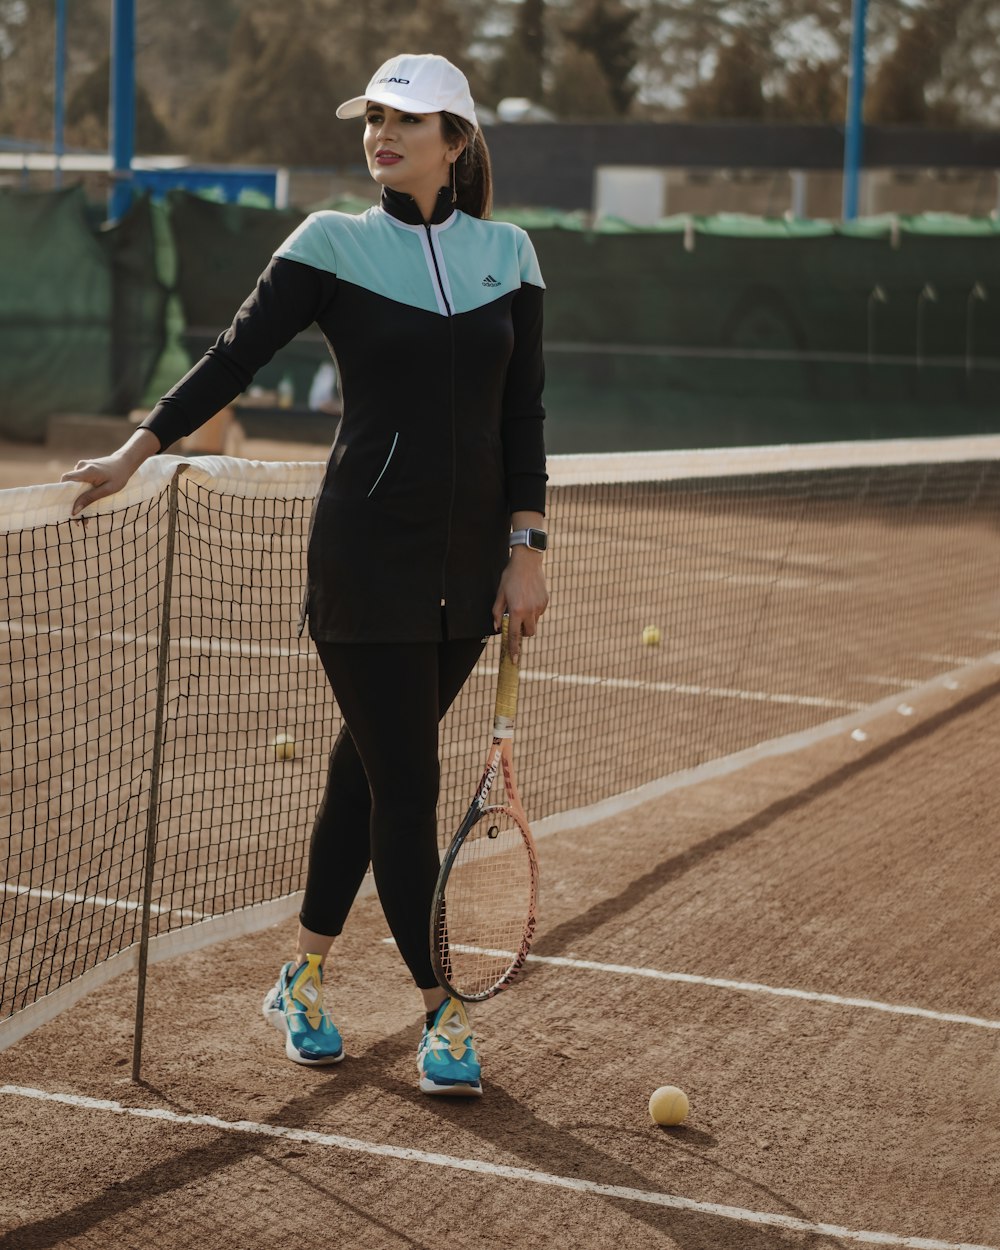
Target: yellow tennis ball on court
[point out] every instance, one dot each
(668, 1105)
(651, 635)
(284, 746)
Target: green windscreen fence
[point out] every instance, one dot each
(221, 249)
(697, 332)
(81, 310)
(771, 337)
(55, 311)
(139, 305)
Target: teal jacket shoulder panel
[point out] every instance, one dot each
(312, 242)
(480, 261)
(487, 260)
(369, 251)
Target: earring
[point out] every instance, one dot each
(454, 182)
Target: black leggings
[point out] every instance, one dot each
(381, 794)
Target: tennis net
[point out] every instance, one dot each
(150, 656)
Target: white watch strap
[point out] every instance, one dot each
(520, 538)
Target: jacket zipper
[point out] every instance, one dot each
(451, 336)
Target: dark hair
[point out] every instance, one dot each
(473, 174)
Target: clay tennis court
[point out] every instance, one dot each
(804, 941)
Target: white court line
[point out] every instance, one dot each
(776, 583)
(258, 916)
(253, 650)
(673, 687)
(97, 900)
(181, 941)
(149, 642)
(772, 748)
(752, 987)
(498, 1170)
(954, 660)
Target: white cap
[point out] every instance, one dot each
(416, 84)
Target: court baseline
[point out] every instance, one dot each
(500, 1171)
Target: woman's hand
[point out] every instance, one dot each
(108, 474)
(522, 595)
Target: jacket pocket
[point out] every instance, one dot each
(388, 459)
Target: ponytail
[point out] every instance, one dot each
(473, 173)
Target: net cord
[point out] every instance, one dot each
(26, 507)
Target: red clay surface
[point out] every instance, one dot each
(862, 869)
(854, 868)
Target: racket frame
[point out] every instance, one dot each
(499, 762)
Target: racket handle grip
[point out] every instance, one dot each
(505, 708)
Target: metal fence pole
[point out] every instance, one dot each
(59, 105)
(149, 862)
(121, 120)
(854, 129)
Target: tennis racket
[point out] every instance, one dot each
(484, 911)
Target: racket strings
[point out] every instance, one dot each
(490, 890)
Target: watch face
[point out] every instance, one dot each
(537, 540)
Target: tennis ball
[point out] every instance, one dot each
(668, 1105)
(284, 746)
(651, 635)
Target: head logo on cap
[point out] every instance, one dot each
(416, 84)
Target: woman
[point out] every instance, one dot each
(429, 523)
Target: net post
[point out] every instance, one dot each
(149, 860)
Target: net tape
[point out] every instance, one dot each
(789, 586)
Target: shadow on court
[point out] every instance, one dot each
(499, 1120)
(564, 936)
(204, 1186)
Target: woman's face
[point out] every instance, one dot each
(407, 151)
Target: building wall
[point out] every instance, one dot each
(746, 167)
(698, 168)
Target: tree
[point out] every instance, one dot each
(276, 102)
(899, 90)
(812, 93)
(604, 29)
(27, 60)
(580, 89)
(87, 114)
(182, 55)
(735, 89)
(970, 66)
(679, 41)
(930, 61)
(519, 68)
(26, 64)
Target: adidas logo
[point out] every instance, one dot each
(489, 280)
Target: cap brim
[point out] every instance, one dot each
(357, 106)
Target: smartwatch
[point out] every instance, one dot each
(537, 540)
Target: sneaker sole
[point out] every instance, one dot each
(275, 1016)
(428, 1086)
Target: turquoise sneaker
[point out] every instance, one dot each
(446, 1059)
(294, 1005)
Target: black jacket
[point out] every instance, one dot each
(437, 334)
